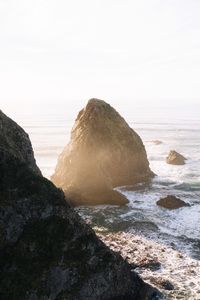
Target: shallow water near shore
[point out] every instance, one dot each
(177, 229)
(50, 133)
(175, 274)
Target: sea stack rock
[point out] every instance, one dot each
(46, 250)
(104, 152)
(175, 158)
(171, 202)
(157, 142)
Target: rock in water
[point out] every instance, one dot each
(171, 202)
(104, 152)
(46, 250)
(175, 158)
(157, 142)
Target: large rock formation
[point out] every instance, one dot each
(104, 152)
(46, 250)
(175, 158)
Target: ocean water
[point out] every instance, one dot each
(176, 129)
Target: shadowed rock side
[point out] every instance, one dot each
(46, 250)
(104, 152)
(15, 140)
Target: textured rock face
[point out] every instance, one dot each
(175, 158)
(171, 202)
(46, 250)
(15, 141)
(104, 152)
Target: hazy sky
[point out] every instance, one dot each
(54, 51)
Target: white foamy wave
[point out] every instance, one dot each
(51, 132)
(180, 222)
(181, 271)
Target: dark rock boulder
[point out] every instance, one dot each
(171, 202)
(163, 283)
(104, 152)
(46, 250)
(175, 158)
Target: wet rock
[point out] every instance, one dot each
(104, 152)
(163, 283)
(157, 142)
(46, 250)
(153, 265)
(175, 158)
(171, 202)
(134, 266)
(167, 285)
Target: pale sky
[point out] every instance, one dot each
(54, 51)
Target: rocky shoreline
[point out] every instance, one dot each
(174, 273)
(46, 250)
(53, 253)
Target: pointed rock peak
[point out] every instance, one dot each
(104, 152)
(96, 107)
(100, 125)
(97, 102)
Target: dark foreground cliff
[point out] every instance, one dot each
(46, 250)
(103, 153)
